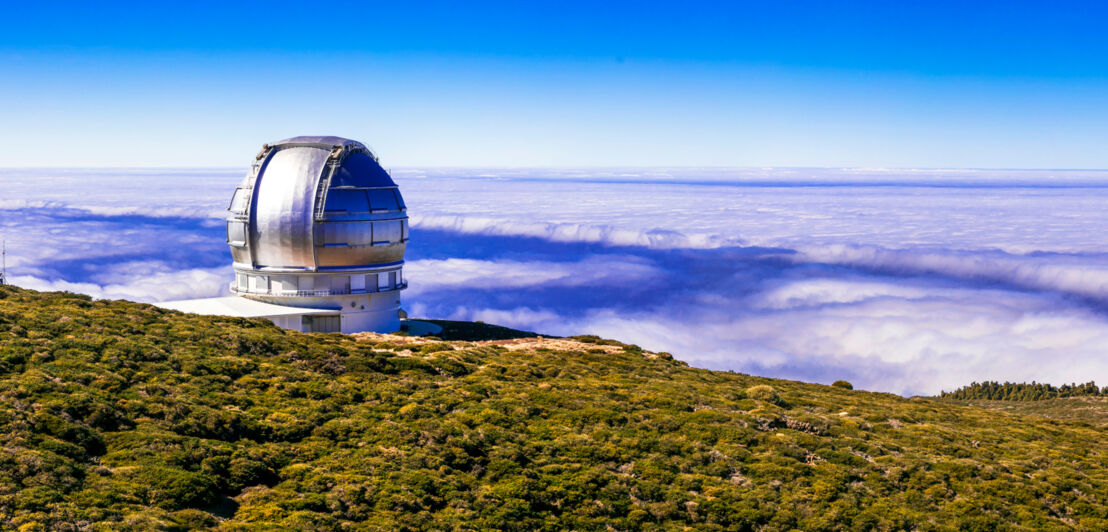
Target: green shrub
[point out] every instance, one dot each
(403, 363)
(763, 392)
(246, 472)
(168, 487)
(842, 384)
(449, 366)
(435, 347)
(190, 519)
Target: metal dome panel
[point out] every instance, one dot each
(283, 208)
(325, 142)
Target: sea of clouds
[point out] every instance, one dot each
(906, 281)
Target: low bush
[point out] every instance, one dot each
(763, 392)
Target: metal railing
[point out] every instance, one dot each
(236, 289)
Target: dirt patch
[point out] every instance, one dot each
(557, 344)
(513, 344)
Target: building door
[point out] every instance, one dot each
(322, 324)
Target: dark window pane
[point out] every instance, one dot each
(340, 200)
(383, 199)
(359, 170)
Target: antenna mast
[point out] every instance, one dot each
(3, 261)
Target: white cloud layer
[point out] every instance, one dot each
(901, 281)
(611, 270)
(162, 286)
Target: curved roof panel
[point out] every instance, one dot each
(320, 141)
(284, 202)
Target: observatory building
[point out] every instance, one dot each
(317, 232)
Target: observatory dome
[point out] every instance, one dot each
(316, 221)
(316, 203)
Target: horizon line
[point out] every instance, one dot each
(594, 167)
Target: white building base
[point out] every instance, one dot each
(376, 312)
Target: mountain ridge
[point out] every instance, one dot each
(119, 415)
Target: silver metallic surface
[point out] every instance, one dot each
(282, 215)
(316, 204)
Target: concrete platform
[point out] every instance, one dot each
(240, 307)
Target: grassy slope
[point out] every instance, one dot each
(119, 415)
(1091, 410)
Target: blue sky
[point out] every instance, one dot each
(871, 84)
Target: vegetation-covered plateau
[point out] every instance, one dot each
(118, 415)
